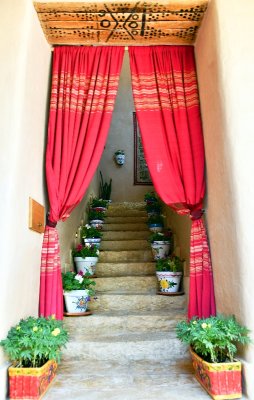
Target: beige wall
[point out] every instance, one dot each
(121, 137)
(225, 63)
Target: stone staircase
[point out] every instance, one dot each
(126, 350)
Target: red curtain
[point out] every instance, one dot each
(84, 87)
(167, 105)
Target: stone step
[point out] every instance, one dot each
(125, 220)
(127, 284)
(121, 322)
(118, 212)
(126, 347)
(125, 227)
(125, 269)
(125, 256)
(130, 380)
(125, 245)
(125, 235)
(127, 206)
(136, 302)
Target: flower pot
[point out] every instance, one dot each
(96, 241)
(120, 159)
(160, 249)
(31, 383)
(220, 380)
(87, 264)
(99, 209)
(157, 227)
(169, 281)
(76, 301)
(97, 223)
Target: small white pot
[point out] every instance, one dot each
(160, 249)
(155, 227)
(76, 301)
(97, 223)
(95, 241)
(87, 264)
(169, 281)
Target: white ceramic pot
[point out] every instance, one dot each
(169, 281)
(99, 208)
(87, 264)
(155, 227)
(97, 223)
(76, 301)
(120, 159)
(160, 249)
(96, 241)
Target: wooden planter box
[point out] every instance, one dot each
(31, 383)
(220, 380)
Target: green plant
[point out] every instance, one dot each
(93, 214)
(119, 152)
(155, 219)
(87, 250)
(98, 203)
(170, 264)
(34, 341)
(153, 207)
(150, 196)
(73, 281)
(89, 231)
(215, 338)
(105, 188)
(160, 236)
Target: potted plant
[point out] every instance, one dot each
(153, 208)
(85, 258)
(160, 243)
(33, 346)
(99, 204)
(119, 157)
(96, 218)
(155, 223)
(105, 189)
(77, 291)
(169, 272)
(150, 197)
(91, 235)
(213, 347)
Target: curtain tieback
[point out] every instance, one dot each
(50, 223)
(196, 214)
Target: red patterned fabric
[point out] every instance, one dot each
(84, 87)
(167, 105)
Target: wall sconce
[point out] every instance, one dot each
(119, 157)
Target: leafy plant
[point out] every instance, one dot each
(34, 341)
(119, 152)
(214, 338)
(98, 203)
(93, 214)
(160, 236)
(150, 197)
(89, 231)
(153, 207)
(73, 281)
(87, 250)
(105, 188)
(155, 219)
(170, 264)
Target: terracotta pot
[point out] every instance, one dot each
(169, 281)
(31, 383)
(220, 380)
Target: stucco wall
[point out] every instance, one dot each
(121, 137)
(225, 62)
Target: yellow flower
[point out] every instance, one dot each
(18, 328)
(204, 325)
(194, 322)
(164, 284)
(55, 332)
(35, 328)
(209, 325)
(53, 316)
